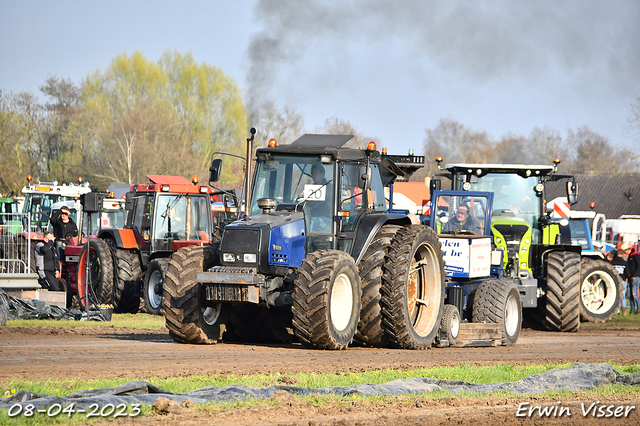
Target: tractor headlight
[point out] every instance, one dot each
(228, 257)
(250, 258)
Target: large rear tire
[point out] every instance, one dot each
(498, 302)
(326, 300)
(153, 284)
(187, 317)
(100, 272)
(600, 290)
(370, 328)
(413, 288)
(561, 303)
(126, 297)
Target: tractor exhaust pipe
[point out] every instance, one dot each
(247, 174)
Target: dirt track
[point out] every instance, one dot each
(107, 352)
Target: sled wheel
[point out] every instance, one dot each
(450, 324)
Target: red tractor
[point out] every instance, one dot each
(164, 215)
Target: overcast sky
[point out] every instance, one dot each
(392, 68)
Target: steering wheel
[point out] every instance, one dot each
(463, 232)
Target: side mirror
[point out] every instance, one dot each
(364, 177)
(128, 201)
(215, 170)
(572, 192)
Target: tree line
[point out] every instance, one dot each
(139, 117)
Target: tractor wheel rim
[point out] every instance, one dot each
(424, 290)
(598, 293)
(211, 314)
(341, 302)
(455, 326)
(155, 298)
(511, 316)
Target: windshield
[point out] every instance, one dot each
(182, 217)
(513, 196)
(461, 214)
(290, 179)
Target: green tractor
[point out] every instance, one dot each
(537, 246)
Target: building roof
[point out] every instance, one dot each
(614, 194)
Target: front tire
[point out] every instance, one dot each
(153, 283)
(498, 302)
(187, 317)
(413, 288)
(600, 289)
(326, 300)
(450, 324)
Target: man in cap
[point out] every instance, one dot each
(63, 225)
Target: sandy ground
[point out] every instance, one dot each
(108, 352)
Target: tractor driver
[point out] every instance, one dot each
(319, 210)
(462, 222)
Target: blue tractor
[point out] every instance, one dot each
(316, 256)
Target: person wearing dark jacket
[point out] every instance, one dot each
(619, 263)
(63, 226)
(633, 271)
(47, 264)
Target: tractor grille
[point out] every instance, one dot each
(240, 240)
(230, 293)
(513, 236)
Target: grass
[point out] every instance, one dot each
(618, 322)
(471, 373)
(136, 321)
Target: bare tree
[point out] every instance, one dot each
(594, 152)
(270, 122)
(634, 120)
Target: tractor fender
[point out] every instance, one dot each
(368, 228)
(123, 238)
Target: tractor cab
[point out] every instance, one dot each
(167, 211)
(519, 220)
(307, 196)
(40, 197)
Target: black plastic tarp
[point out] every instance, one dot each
(577, 377)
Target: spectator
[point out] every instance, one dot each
(462, 222)
(633, 270)
(47, 264)
(63, 226)
(619, 262)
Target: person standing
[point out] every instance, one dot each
(63, 225)
(47, 264)
(633, 270)
(619, 263)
